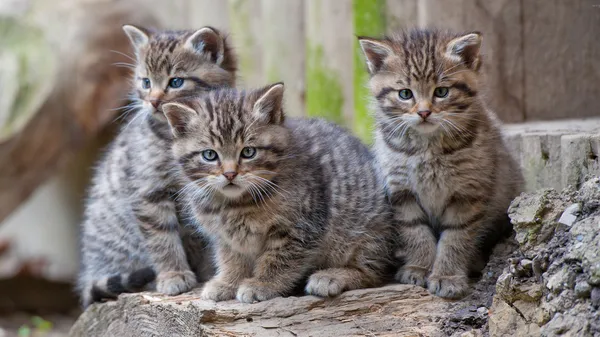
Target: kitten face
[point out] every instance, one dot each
(231, 143)
(424, 81)
(178, 64)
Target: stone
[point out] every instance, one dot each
(583, 289)
(570, 215)
(595, 300)
(561, 295)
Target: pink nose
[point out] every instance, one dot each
(424, 114)
(230, 175)
(155, 103)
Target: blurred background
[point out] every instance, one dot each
(60, 92)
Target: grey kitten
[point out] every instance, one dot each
(448, 171)
(280, 199)
(131, 234)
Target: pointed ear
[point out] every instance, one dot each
(376, 51)
(179, 117)
(268, 108)
(137, 36)
(466, 49)
(207, 41)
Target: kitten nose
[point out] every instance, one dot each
(230, 175)
(424, 114)
(155, 103)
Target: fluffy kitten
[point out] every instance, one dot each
(448, 172)
(131, 233)
(280, 199)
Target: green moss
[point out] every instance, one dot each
(324, 97)
(369, 20)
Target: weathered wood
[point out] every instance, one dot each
(247, 36)
(393, 310)
(209, 13)
(397, 310)
(329, 60)
(561, 59)
(85, 91)
(284, 49)
(501, 23)
(401, 14)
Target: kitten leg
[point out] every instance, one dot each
(449, 278)
(232, 268)
(277, 271)
(458, 246)
(418, 247)
(157, 219)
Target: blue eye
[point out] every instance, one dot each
(405, 94)
(176, 82)
(248, 152)
(146, 83)
(440, 92)
(210, 155)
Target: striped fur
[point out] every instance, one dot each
(448, 172)
(131, 235)
(310, 202)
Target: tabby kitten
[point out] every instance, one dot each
(131, 233)
(448, 172)
(280, 199)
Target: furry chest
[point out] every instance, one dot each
(432, 182)
(240, 233)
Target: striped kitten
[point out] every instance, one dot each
(280, 199)
(448, 172)
(131, 233)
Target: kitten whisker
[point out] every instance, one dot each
(123, 54)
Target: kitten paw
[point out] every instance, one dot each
(217, 290)
(175, 282)
(412, 275)
(251, 291)
(323, 285)
(450, 287)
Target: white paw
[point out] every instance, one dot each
(251, 291)
(412, 275)
(174, 282)
(323, 285)
(450, 287)
(217, 290)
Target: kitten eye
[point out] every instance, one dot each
(146, 83)
(210, 155)
(405, 94)
(248, 152)
(176, 82)
(441, 92)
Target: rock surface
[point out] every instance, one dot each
(549, 285)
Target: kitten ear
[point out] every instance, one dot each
(376, 51)
(137, 36)
(268, 108)
(179, 117)
(466, 49)
(207, 41)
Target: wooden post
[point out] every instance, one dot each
(329, 60)
(284, 49)
(247, 36)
